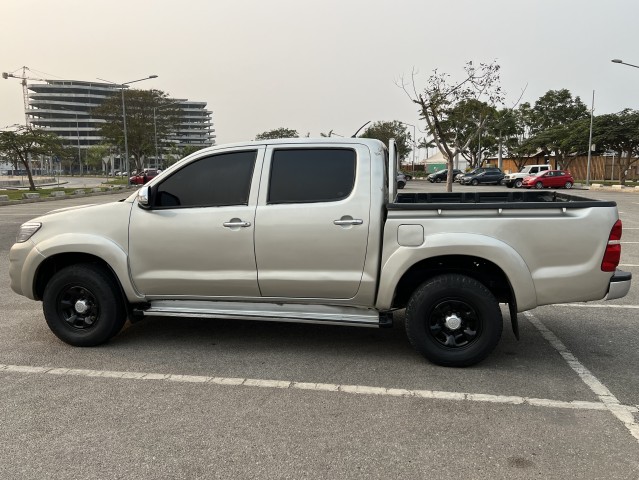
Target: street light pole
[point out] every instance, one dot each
(592, 109)
(616, 60)
(126, 143)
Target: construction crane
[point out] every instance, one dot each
(25, 89)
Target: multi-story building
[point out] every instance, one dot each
(64, 107)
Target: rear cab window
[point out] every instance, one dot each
(311, 175)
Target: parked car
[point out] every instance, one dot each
(516, 179)
(401, 180)
(474, 171)
(143, 177)
(549, 179)
(441, 175)
(488, 176)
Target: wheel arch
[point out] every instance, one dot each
(65, 250)
(492, 262)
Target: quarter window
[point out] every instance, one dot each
(215, 181)
(311, 175)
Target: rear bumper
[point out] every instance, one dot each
(619, 285)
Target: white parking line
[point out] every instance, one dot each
(322, 387)
(622, 412)
(598, 305)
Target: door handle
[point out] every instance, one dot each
(235, 223)
(352, 221)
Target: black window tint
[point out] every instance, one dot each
(311, 175)
(214, 181)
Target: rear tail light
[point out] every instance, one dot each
(612, 256)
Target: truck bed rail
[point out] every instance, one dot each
(487, 200)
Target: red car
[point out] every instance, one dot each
(549, 179)
(142, 178)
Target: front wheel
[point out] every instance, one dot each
(453, 320)
(438, 180)
(474, 182)
(568, 185)
(401, 185)
(83, 306)
(518, 183)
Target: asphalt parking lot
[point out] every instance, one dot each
(192, 398)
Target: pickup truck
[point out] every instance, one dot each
(314, 231)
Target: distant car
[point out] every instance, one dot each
(474, 171)
(549, 179)
(143, 177)
(407, 175)
(492, 176)
(401, 180)
(441, 175)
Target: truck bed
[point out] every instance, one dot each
(487, 200)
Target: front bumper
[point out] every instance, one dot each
(619, 285)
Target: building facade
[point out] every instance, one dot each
(65, 107)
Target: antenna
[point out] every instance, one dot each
(358, 130)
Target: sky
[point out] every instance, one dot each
(316, 66)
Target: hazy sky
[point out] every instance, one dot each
(319, 65)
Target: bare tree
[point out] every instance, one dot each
(441, 98)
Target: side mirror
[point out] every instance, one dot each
(143, 198)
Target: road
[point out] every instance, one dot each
(189, 398)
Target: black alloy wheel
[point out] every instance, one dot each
(83, 305)
(453, 320)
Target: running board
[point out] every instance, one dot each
(270, 312)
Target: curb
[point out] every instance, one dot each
(54, 199)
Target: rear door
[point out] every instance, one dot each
(312, 221)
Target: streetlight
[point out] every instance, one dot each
(126, 144)
(616, 60)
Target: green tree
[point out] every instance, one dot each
(384, 131)
(95, 157)
(141, 106)
(277, 133)
(441, 99)
(27, 142)
(554, 116)
(619, 132)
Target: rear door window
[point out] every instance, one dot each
(311, 175)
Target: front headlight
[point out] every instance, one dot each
(27, 230)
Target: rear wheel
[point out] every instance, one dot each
(539, 185)
(83, 306)
(568, 185)
(400, 185)
(453, 320)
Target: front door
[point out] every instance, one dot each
(312, 221)
(196, 240)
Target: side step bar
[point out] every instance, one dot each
(270, 312)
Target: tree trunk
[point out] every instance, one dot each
(25, 162)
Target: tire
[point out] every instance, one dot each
(568, 185)
(474, 183)
(539, 185)
(438, 180)
(453, 320)
(400, 185)
(518, 183)
(509, 185)
(83, 306)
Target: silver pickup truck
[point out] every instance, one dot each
(315, 231)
